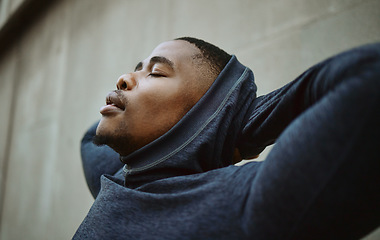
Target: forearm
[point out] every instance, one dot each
(272, 113)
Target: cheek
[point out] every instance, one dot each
(159, 98)
(161, 104)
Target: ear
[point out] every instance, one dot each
(237, 157)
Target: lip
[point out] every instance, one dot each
(114, 104)
(109, 109)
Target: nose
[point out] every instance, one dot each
(125, 82)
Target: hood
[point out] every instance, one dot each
(205, 138)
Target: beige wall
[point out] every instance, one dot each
(8, 8)
(54, 79)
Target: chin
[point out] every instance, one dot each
(101, 130)
(116, 138)
(103, 126)
(103, 136)
(108, 128)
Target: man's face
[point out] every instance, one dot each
(152, 99)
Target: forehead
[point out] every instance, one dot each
(178, 51)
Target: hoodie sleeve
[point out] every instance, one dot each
(97, 160)
(270, 114)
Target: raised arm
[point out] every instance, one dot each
(97, 161)
(272, 113)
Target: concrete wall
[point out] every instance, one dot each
(8, 8)
(54, 78)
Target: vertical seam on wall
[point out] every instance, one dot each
(9, 138)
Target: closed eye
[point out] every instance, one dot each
(156, 75)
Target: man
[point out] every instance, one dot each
(189, 111)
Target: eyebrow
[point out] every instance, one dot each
(154, 60)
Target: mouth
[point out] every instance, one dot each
(114, 99)
(114, 103)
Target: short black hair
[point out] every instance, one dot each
(215, 57)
